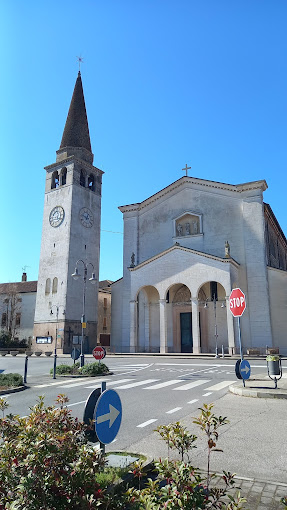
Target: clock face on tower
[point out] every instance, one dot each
(86, 217)
(56, 216)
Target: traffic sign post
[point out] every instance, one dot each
(108, 417)
(245, 370)
(237, 305)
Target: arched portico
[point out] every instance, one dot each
(216, 323)
(145, 321)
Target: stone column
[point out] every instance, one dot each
(195, 326)
(146, 326)
(230, 329)
(162, 325)
(133, 326)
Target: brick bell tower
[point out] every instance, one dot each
(70, 239)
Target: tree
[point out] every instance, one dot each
(10, 312)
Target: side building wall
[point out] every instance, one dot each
(277, 280)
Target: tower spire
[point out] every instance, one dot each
(76, 132)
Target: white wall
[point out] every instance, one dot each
(278, 299)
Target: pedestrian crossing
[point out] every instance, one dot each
(145, 384)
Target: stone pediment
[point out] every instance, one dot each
(199, 184)
(228, 260)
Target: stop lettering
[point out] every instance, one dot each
(99, 353)
(237, 302)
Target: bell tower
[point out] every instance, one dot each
(70, 239)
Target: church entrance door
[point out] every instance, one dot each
(186, 332)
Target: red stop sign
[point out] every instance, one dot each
(99, 352)
(237, 302)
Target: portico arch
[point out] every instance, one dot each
(213, 317)
(147, 319)
(179, 318)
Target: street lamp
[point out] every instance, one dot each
(76, 275)
(55, 351)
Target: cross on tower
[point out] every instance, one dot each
(186, 168)
(80, 60)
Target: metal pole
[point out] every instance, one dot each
(239, 339)
(82, 357)
(55, 351)
(102, 445)
(25, 369)
(222, 350)
(215, 328)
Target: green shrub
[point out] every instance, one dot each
(46, 462)
(94, 369)
(66, 369)
(11, 380)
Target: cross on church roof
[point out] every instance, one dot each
(80, 60)
(186, 168)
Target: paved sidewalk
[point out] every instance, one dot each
(261, 386)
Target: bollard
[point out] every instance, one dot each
(55, 365)
(25, 369)
(222, 350)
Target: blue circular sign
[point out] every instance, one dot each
(108, 416)
(245, 369)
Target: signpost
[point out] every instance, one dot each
(75, 354)
(245, 369)
(99, 352)
(237, 305)
(108, 416)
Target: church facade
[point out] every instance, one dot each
(185, 249)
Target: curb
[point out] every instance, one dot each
(13, 390)
(257, 393)
(78, 376)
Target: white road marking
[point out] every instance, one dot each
(193, 401)
(119, 381)
(134, 384)
(173, 410)
(53, 383)
(76, 403)
(207, 394)
(163, 384)
(220, 386)
(190, 385)
(146, 423)
(82, 383)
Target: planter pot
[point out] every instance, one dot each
(48, 353)
(38, 353)
(14, 353)
(3, 353)
(29, 353)
(273, 367)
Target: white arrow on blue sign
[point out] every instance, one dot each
(245, 369)
(108, 416)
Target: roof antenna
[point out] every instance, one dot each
(80, 60)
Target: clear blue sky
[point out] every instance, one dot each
(166, 82)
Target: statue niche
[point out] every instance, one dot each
(187, 225)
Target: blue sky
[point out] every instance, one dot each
(166, 82)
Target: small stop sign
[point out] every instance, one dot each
(237, 302)
(99, 352)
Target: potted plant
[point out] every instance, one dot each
(273, 364)
(38, 353)
(14, 353)
(48, 353)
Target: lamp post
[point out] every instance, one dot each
(56, 340)
(76, 275)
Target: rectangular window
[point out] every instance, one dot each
(18, 319)
(105, 302)
(4, 319)
(104, 322)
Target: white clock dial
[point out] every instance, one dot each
(56, 216)
(86, 217)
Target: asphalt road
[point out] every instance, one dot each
(154, 390)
